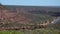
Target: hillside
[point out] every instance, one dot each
(12, 16)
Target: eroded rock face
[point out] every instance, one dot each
(13, 16)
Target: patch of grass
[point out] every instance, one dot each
(11, 32)
(37, 31)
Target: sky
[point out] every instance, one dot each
(31, 2)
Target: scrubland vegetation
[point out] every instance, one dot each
(14, 18)
(37, 31)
